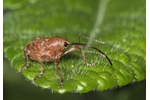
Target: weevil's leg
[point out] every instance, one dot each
(41, 71)
(83, 54)
(27, 62)
(76, 47)
(84, 58)
(58, 72)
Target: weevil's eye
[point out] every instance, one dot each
(65, 44)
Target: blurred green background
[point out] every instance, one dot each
(16, 87)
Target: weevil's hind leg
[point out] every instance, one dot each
(27, 62)
(41, 71)
(58, 72)
(84, 58)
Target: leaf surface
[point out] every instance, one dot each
(121, 24)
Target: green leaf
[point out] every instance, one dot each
(121, 24)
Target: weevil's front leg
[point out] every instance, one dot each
(41, 71)
(84, 58)
(27, 62)
(77, 47)
(58, 72)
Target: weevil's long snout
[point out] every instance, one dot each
(76, 46)
(73, 48)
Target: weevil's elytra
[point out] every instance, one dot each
(51, 49)
(46, 49)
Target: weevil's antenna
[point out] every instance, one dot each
(90, 46)
(101, 42)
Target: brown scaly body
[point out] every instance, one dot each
(46, 49)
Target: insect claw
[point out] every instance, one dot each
(90, 64)
(21, 69)
(38, 76)
(60, 85)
